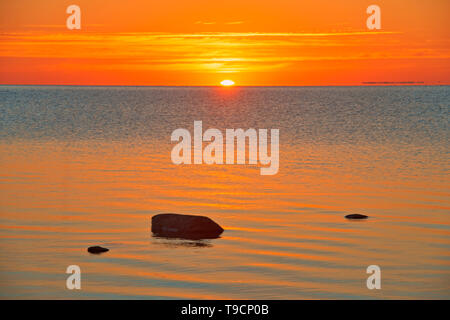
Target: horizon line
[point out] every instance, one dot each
(362, 84)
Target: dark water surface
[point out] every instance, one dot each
(83, 166)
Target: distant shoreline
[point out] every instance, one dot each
(393, 82)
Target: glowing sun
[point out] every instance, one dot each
(227, 83)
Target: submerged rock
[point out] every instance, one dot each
(97, 249)
(173, 225)
(356, 216)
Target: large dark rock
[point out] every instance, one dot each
(97, 249)
(173, 225)
(356, 216)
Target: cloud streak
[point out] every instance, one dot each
(217, 52)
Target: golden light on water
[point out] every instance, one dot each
(227, 83)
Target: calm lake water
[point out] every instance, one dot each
(82, 166)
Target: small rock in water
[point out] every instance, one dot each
(174, 225)
(356, 216)
(97, 249)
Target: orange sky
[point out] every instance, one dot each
(202, 42)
